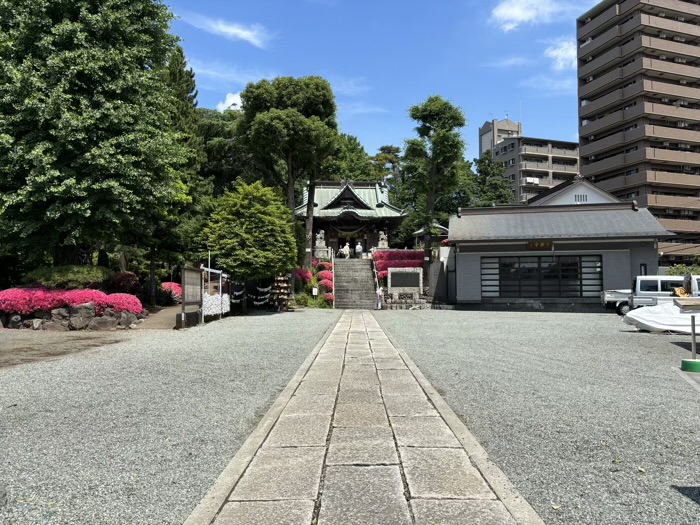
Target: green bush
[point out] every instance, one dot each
(68, 277)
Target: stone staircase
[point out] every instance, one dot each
(354, 284)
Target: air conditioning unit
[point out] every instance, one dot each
(589, 79)
(662, 57)
(682, 124)
(678, 38)
(686, 212)
(681, 19)
(682, 103)
(682, 82)
(665, 144)
(662, 14)
(683, 145)
(663, 35)
(665, 100)
(680, 60)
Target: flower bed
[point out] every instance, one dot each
(304, 275)
(325, 276)
(324, 265)
(329, 298)
(326, 284)
(26, 301)
(385, 260)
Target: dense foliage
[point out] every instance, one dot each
(26, 301)
(68, 277)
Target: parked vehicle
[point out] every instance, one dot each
(650, 290)
(619, 300)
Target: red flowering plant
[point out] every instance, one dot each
(174, 289)
(325, 276)
(25, 301)
(304, 275)
(314, 262)
(123, 302)
(324, 265)
(329, 298)
(326, 284)
(76, 297)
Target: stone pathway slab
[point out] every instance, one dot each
(266, 513)
(475, 512)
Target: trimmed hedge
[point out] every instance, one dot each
(25, 301)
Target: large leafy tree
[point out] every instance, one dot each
(432, 161)
(250, 234)
(349, 162)
(87, 152)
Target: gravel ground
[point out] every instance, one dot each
(586, 417)
(136, 432)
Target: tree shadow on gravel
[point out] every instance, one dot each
(692, 493)
(685, 345)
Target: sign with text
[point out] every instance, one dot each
(539, 245)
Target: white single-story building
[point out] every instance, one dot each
(565, 246)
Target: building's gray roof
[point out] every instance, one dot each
(365, 200)
(594, 221)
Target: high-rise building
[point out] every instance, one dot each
(639, 110)
(535, 165)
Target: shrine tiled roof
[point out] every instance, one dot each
(366, 200)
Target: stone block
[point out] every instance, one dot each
(266, 513)
(308, 405)
(362, 446)
(389, 363)
(369, 394)
(317, 387)
(409, 406)
(52, 326)
(423, 432)
(126, 319)
(36, 324)
(363, 496)
(103, 323)
(14, 321)
(442, 473)
(476, 512)
(299, 431)
(360, 415)
(81, 315)
(60, 314)
(281, 474)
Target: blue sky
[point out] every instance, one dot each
(490, 57)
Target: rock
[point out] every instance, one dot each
(42, 314)
(3, 322)
(109, 312)
(81, 315)
(120, 327)
(60, 314)
(133, 326)
(36, 324)
(144, 313)
(53, 326)
(27, 323)
(103, 323)
(15, 321)
(126, 319)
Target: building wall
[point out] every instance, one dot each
(535, 165)
(639, 107)
(620, 262)
(492, 133)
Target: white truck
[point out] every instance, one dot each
(650, 290)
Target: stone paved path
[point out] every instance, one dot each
(360, 443)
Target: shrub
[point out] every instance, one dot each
(326, 284)
(123, 302)
(68, 277)
(324, 265)
(398, 255)
(385, 265)
(329, 298)
(382, 275)
(302, 299)
(124, 282)
(325, 276)
(76, 297)
(173, 289)
(304, 275)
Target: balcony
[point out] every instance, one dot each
(537, 150)
(564, 152)
(565, 168)
(680, 226)
(652, 178)
(529, 165)
(668, 201)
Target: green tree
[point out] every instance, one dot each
(275, 126)
(349, 162)
(387, 162)
(490, 187)
(432, 161)
(87, 151)
(250, 233)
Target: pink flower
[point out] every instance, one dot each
(324, 275)
(304, 275)
(123, 302)
(328, 285)
(329, 298)
(174, 289)
(324, 266)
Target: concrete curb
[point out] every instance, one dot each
(207, 509)
(518, 507)
(687, 379)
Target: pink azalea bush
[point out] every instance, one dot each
(304, 275)
(314, 262)
(398, 255)
(324, 266)
(328, 285)
(325, 276)
(329, 298)
(174, 289)
(382, 275)
(25, 301)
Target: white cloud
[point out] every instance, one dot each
(349, 87)
(511, 14)
(255, 34)
(232, 101)
(563, 54)
(218, 76)
(512, 62)
(552, 85)
(360, 108)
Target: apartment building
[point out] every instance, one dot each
(536, 165)
(495, 131)
(639, 110)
